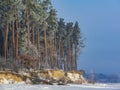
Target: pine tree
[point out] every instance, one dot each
(32, 33)
(78, 43)
(61, 40)
(69, 29)
(45, 6)
(52, 28)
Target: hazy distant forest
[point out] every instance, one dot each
(32, 36)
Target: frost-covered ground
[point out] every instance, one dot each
(56, 87)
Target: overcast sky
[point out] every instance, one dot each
(99, 21)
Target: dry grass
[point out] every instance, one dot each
(13, 76)
(57, 74)
(44, 74)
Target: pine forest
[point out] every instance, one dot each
(33, 37)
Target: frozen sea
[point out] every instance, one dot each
(56, 87)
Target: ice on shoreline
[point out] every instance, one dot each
(56, 87)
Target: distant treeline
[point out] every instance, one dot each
(31, 36)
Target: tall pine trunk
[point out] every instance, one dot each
(38, 46)
(68, 55)
(76, 57)
(33, 41)
(72, 60)
(17, 37)
(28, 26)
(51, 53)
(13, 39)
(55, 50)
(45, 43)
(13, 32)
(38, 38)
(60, 53)
(6, 43)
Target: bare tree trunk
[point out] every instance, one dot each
(72, 60)
(65, 63)
(28, 26)
(38, 46)
(38, 38)
(54, 51)
(13, 40)
(33, 41)
(68, 56)
(17, 37)
(45, 42)
(69, 59)
(16, 40)
(13, 33)
(6, 43)
(59, 53)
(51, 53)
(62, 54)
(76, 57)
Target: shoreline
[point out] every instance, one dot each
(57, 87)
(49, 77)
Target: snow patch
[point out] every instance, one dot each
(73, 76)
(56, 87)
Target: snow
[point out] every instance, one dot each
(76, 77)
(56, 87)
(73, 77)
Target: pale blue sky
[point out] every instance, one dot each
(100, 24)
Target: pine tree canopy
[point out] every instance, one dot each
(32, 33)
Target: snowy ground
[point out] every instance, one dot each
(56, 87)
